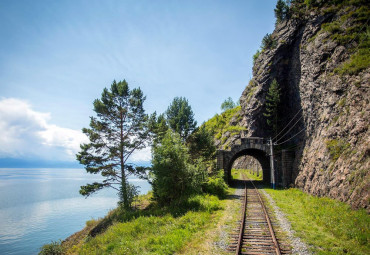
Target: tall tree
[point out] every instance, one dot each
(201, 144)
(119, 128)
(272, 106)
(281, 10)
(180, 117)
(228, 104)
(159, 127)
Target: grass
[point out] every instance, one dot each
(236, 174)
(348, 29)
(326, 225)
(219, 124)
(54, 248)
(155, 230)
(148, 235)
(358, 62)
(223, 221)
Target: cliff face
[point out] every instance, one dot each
(325, 93)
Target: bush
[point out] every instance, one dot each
(268, 42)
(255, 56)
(336, 148)
(358, 62)
(216, 185)
(54, 248)
(173, 175)
(201, 145)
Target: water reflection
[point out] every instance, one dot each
(41, 205)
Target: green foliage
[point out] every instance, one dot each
(216, 185)
(180, 117)
(201, 145)
(159, 127)
(128, 192)
(334, 228)
(281, 10)
(337, 3)
(351, 30)
(309, 3)
(54, 248)
(255, 56)
(336, 148)
(268, 42)
(272, 106)
(250, 90)
(302, 8)
(220, 123)
(157, 230)
(173, 174)
(120, 128)
(236, 174)
(358, 62)
(228, 104)
(333, 27)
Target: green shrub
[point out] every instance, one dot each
(216, 185)
(54, 248)
(333, 27)
(220, 123)
(336, 148)
(255, 56)
(268, 42)
(358, 62)
(173, 174)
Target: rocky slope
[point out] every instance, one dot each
(320, 58)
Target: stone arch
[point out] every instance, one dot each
(252, 146)
(259, 155)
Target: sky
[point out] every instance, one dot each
(56, 57)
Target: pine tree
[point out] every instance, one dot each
(281, 10)
(180, 117)
(159, 127)
(272, 106)
(268, 42)
(119, 129)
(228, 104)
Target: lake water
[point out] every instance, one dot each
(38, 206)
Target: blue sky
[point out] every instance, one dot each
(57, 56)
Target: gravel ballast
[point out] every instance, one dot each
(298, 246)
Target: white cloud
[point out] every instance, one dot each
(143, 155)
(27, 133)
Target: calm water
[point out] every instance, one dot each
(38, 206)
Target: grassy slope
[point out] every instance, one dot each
(190, 228)
(220, 127)
(328, 226)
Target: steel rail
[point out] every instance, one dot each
(276, 244)
(241, 232)
(241, 237)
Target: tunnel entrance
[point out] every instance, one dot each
(254, 147)
(248, 166)
(256, 157)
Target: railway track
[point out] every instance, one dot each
(255, 233)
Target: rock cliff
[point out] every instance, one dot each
(320, 58)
